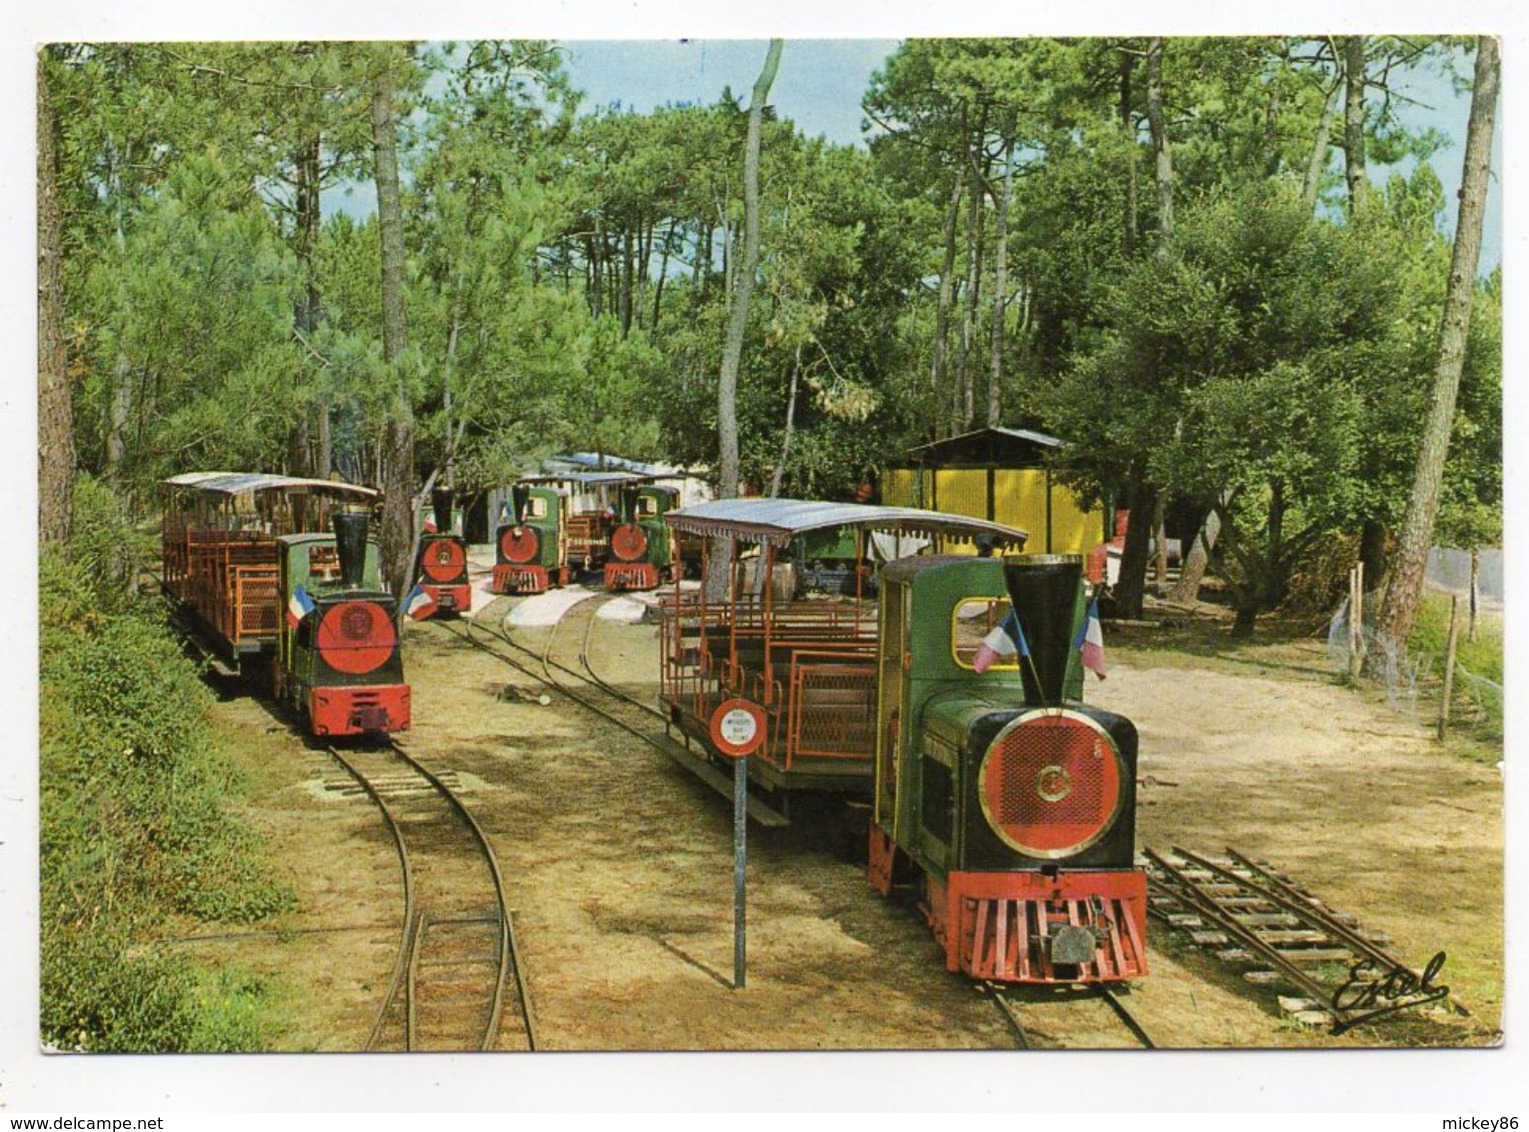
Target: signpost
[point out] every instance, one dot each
(737, 730)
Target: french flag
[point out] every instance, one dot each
(299, 605)
(419, 604)
(1090, 641)
(1006, 643)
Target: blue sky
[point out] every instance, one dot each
(821, 81)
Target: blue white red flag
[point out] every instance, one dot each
(419, 604)
(1004, 644)
(1090, 641)
(299, 605)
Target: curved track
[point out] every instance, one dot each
(590, 692)
(457, 956)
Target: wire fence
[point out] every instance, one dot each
(1414, 683)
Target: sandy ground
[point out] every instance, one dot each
(619, 865)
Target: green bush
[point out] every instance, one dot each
(134, 821)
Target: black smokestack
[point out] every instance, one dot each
(440, 501)
(1043, 589)
(628, 497)
(520, 495)
(350, 530)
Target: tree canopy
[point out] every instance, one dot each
(1148, 247)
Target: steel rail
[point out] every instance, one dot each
(548, 681)
(404, 960)
(406, 965)
(1186, 890)
(663, 744)
(1011, 1016)
(547, 663)
(1286, 896)
(509, 951)
(1109, 996)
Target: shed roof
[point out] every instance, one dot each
(242, 483)
(1013, 446)
(778, 521)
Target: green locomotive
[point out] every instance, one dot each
(642, 550)
(1011, 801)
(531, 552)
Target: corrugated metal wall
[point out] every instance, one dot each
(1019, 499)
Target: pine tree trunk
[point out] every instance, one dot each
(1405, 589)
(306, 316)
(1320, 144)
(1161, 148)
(1131, 585)
(947, 285)
(55, 425)
(1353, 121)
(396, 539)
(1000, 292)
(738, 316)
(1192, 567)
(966, 379)
(1128, 221)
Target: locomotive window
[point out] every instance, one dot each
(647, 505)
(973, 619)
(536, 507)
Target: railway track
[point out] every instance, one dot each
(458, 966)
(1286, 938)
(1015, 1010)
(641, 721)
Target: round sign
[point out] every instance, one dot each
(737, 727)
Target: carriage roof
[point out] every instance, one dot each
(779, 521)
(589, 479)
(251, 483)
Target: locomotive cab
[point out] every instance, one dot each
(339, 662)
(1013, 801)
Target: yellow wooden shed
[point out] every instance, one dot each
(1003, 475)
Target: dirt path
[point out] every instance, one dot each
(619, 867)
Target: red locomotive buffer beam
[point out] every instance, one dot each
(1076, 927)
(359, 710)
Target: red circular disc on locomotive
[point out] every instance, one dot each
(1050, 784)
(444, 560)
(628, 542)
(519, 544)
(356, 637)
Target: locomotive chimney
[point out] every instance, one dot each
(1043, 589)
(520, 495)
(440, 501)
(350, 530)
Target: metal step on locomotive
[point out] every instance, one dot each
(255, 581)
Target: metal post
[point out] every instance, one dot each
(740, 859)
(1449, 665)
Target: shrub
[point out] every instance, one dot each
(134, 820)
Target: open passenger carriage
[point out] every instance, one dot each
(220, 563)
(809, 663)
